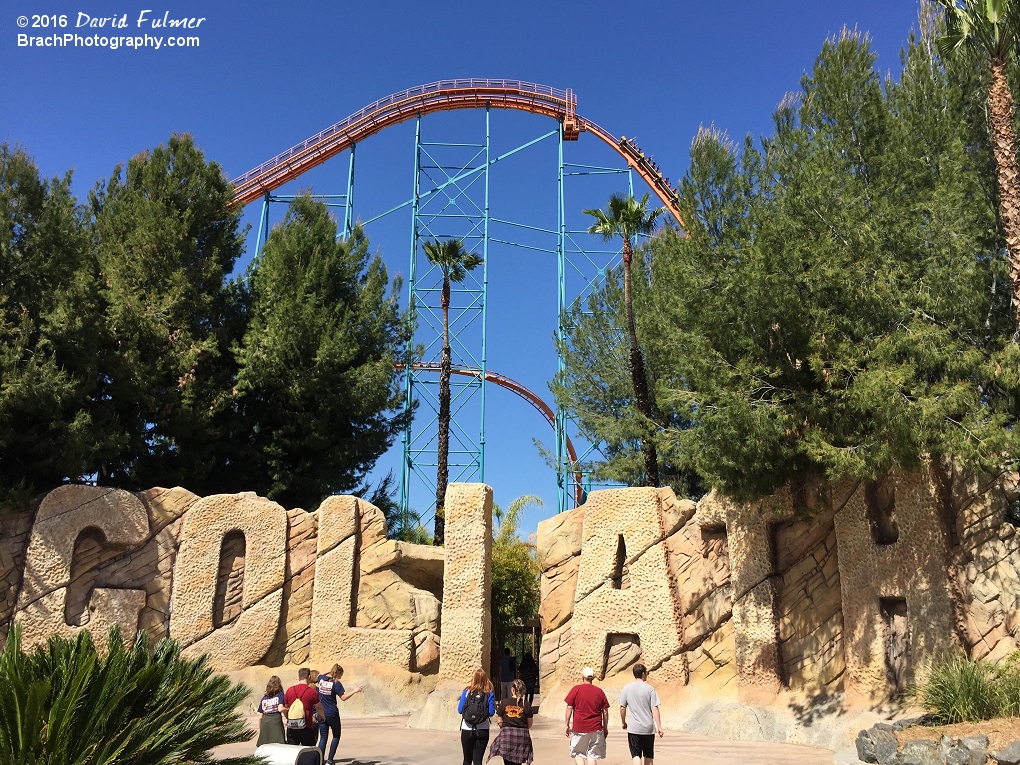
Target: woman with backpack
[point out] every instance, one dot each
(514, 714)
(272, 729)
(330, 689)
(477, 705)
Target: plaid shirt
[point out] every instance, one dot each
(513, 744)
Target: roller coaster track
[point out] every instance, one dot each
(446, 95)
(532, 398)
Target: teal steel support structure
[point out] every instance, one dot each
(451, 199)
(406, 464)
(485, 292)
(446, 204)
(563, 473)
(349, 200)
(592, 266)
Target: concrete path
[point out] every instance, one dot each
(388, 741)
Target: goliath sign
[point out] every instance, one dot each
(242, 579)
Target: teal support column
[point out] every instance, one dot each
(562, 469)
(261, 237)
(485, 289)
(349, 207)
(405, 463)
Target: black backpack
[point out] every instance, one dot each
(476, 708)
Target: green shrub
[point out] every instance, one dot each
(66, 703)
(1008, 687)
(962, 690)
(516, 593)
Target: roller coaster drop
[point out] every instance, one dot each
(446, 194)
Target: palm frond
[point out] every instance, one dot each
(71, 705)
(991, 25)
(451, 257)
(625, 217)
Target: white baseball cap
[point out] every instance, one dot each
(587, 672)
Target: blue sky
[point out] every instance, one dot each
(268, 75)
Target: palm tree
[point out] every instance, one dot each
(455, 261)
(993, 27)
(626, 217)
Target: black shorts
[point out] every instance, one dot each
(642, 745)
(302, 736)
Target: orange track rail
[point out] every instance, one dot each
(444, 95)
(532, 398)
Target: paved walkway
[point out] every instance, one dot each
(388, 741)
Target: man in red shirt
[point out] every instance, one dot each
(589, 708)
(304, 690)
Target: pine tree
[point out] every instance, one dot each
(168, 238)
(55, 423)
(317, 387)
(837, 305)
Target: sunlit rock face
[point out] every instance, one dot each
(845, 590)
(235, 576)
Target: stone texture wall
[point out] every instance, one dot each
(14, 533)
(848, 589)
(467, 581)
(914, 568)
(125, 545)
(699, 557)
(625, 603)
(237, 576)
(810, 605)
(985, 570)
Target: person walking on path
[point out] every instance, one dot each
(477, 705)
(587, 720)
(507, 672)
(272, 729)
(529, 674)
(330, 689)
(640, 700)
(302, 702)
(514, 715)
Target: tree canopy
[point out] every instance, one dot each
(130, 355)
(840, 304)
(54, 418)
(316, 377)
(167, 240)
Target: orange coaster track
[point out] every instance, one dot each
(445, 95)
(532, 398)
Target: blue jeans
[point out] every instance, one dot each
(331, 724)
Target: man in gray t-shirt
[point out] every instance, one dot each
(642, 702)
